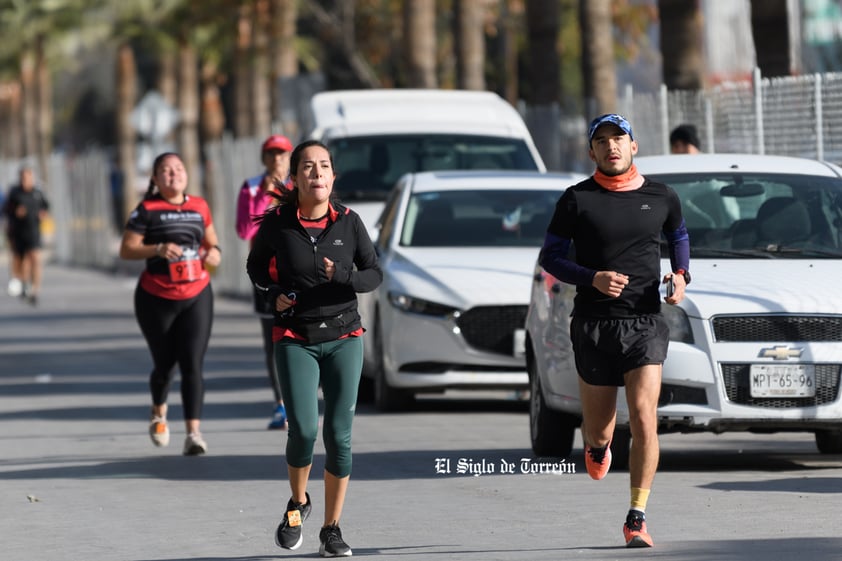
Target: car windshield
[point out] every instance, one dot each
(481, 218)
(739, 215)
(368, 166)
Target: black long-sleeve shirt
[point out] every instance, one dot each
(615, 231)
(324, 309)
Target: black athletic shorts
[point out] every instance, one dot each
(605, 349)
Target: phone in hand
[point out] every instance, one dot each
(670, 286)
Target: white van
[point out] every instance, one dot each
(378, 135)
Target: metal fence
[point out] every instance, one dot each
(796, 116)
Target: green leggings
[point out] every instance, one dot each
(338, 366)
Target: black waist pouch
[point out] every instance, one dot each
(322, 330)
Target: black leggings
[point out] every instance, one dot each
(177, 332)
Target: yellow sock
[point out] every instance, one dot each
(638, 498)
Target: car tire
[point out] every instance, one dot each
(829, 441)
(551, 431)
(386, 398)
(621, 448)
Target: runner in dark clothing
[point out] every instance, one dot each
(615, 220)
(174, 233)
(25, 208)
(324, 257)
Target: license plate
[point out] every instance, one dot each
(519, 342)
(783, 380)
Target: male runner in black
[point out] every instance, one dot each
(615, 220)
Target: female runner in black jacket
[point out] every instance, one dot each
(324, 256)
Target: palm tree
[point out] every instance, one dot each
(31, 31)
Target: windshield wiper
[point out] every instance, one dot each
(724, 252)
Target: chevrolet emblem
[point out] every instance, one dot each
(780, 352)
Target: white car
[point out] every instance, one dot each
(757, 343)
(457, 250)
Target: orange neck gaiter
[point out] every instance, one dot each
(628, 181)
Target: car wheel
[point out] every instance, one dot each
(386, 398)
(829, 441)
(620, 448)
(551, 431)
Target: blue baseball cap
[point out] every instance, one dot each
(610, 119)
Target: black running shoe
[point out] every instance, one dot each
(332, 543)
(288, 535)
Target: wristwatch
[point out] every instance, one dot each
(685, 274)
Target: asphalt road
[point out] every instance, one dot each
(80, 480)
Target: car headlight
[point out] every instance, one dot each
(679, 324)
(407, 303)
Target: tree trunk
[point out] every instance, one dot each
(30, 108)
(543, 23)
(188, 108)
(261, 103)
(242, 62)
(598, 64)
(44, 87)
(681, 44)
(167, 82)
(10, 120)
(772, 43)
(508, 54)
(167, 79)
(470, 44)
(420, 43)
(126, 74)
(211, 113)
(284, 63)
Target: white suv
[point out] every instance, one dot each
(757, 343)
(378, 135)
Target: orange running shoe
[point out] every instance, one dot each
(598, 461)
(634, 530)
(159, 432)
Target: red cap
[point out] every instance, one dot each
(277, 142)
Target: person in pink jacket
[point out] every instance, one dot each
(253, 200)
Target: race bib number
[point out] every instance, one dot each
(187, 268)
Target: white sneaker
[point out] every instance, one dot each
(15, 287)
(194, 444)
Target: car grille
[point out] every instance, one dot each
(736, 378)
(492, 328)
(761, 329)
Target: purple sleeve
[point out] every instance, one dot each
(679, 247)
(554, 259)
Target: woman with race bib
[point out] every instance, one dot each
(173, 301)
